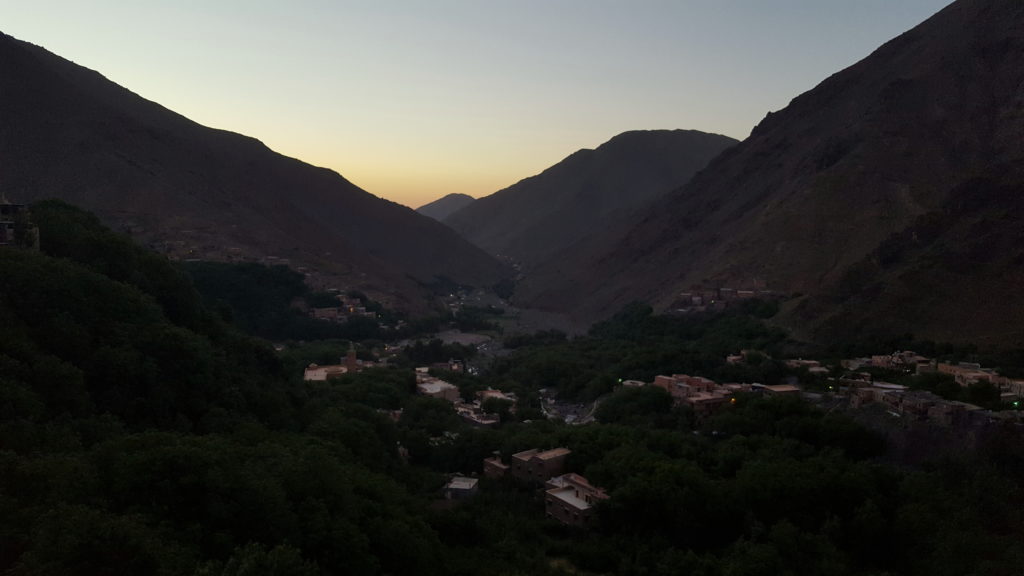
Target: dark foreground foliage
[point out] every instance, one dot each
(141, 434)
(260, 300)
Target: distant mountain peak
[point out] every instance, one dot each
(539, 216)
(442, 207)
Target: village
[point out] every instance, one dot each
(569, 497)
(347, 307)
(699, 299)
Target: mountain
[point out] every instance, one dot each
(830, 198)
(541, 215)
(442, 207)
(196, 192)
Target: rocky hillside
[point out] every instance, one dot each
(537, 217)
(809, 201)
(443, 207)
(192, 191)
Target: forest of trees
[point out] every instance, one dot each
(142, 433)
(636, 344)
(260, 300)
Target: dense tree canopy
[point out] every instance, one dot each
(142, 434)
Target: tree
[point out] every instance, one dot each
(25, 234)
(256, 560)
(634, 406)
(499, 406)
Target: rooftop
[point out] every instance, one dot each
(782, 388)
(461, 483)
(568, 495)
(545, 455)
(554, 453)
(435, 386)
(570, 478)
(525, 454)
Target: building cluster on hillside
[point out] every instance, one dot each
(350, 364)
(704, 395)
(813, 367)
(919, 404)
(905, 361)
(568, 497)
(347, 308)
(701, 394)
(698, 299)
(969, 373)
(964, 373)
(472, 412)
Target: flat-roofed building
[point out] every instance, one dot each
(704, 403)
(472, 414)
(781, 390)
(438, 389)
(459, 488)
(315, 372)
(494, 467)
(319, 373)
(570, 499)
(1015, 387)
(917, 403)
(537, 466)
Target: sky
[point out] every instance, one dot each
(415, 99)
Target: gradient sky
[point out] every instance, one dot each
(412, 100)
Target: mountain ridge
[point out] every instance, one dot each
(822, 183)
(192, 191)
(542, 214)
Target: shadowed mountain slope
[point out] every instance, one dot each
(541, 215)
(192, 191)
(819, 186)
(443, 207)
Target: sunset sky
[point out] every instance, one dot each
(413, 100)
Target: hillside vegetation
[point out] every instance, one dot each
(140, 434)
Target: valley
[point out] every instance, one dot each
(675, 352)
